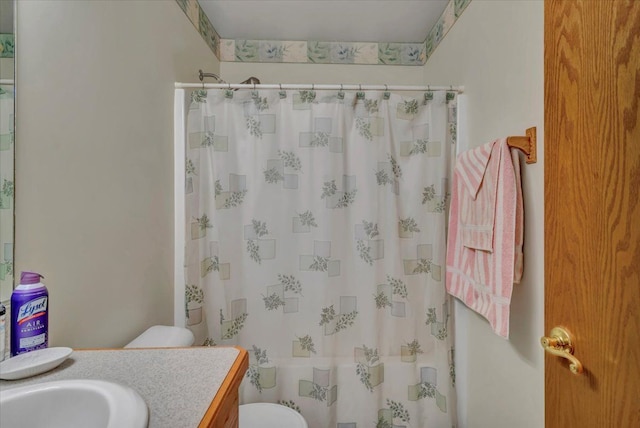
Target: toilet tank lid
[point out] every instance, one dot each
(163, 336)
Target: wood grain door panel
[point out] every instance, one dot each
(592, 209)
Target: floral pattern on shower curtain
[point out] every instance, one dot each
(7, 151)
(316, 232)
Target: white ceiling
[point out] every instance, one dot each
(324, 20)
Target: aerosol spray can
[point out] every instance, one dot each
(29, 315)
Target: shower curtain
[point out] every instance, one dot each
(7, 151)
(315, 239)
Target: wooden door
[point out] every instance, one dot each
(592, 210)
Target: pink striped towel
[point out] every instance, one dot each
(484, 246)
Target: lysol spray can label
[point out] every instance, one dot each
(30, 321)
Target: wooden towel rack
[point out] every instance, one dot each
(526, 144)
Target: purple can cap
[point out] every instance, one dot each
(30, 278)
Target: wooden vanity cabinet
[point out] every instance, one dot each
(223, 411)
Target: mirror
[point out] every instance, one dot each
(7, 72)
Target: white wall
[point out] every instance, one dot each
(236, 72)
(94, 161)
(495, 50)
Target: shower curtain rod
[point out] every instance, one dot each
(319, 87)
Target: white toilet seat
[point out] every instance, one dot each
(269, 415)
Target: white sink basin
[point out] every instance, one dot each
(73, 403)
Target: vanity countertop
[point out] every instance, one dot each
(181, 386)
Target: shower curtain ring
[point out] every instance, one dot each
(313, 86)
(229, 86)
(280, 86)
(386, 87)
(360, 86)
(254, 86)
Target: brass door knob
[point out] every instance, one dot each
(560, 343)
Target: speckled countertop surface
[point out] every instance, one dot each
(177, 384)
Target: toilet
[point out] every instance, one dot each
(269, 415)
(163, 336)
(254, 415)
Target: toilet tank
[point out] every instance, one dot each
(163, 336)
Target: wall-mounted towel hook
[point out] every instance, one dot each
(527, 144)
